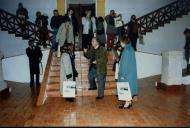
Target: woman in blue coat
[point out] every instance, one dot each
(127, 69)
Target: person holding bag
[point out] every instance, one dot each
(127, 69)
(66, 71)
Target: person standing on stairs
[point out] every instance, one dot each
(74, 22)
(133, 30)
(88, 29)
(111, 29)
(66, 71)
(64, 34)
(42, 23)
(35, 56)
(22, 13)
(187, 48)
(98, 56)
(100, 31)
(55, 23)
(72, 57)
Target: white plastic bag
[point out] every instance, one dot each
(69, 89)
(124, 92)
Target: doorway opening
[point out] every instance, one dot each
(79, 8)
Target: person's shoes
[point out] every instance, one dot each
(70, 99)
(92, 88)
(38, 84)
(98, 97)
(125, 107)
(129, 106)
(121, 106)
(31, 85)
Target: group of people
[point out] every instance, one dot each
(94, 44)
(67, 26)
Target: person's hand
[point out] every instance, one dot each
(85, 50)
(94, 62)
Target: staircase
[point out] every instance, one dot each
(163, 15)
(82, 84)
(9, 22)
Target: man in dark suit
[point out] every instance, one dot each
(70, 15)
(187, 47)
(35, 56)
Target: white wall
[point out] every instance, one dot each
(167, 38)
(137, 7)
(45, 6)
(11, 45)
(148, 64)
(17, 68)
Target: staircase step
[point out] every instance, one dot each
(53, 86)
(55, 74)
(53, 94)
(83, 93)
(53, 79)
(94, 92)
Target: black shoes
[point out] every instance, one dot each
(70, 99)
(92, 88)
(98, 97)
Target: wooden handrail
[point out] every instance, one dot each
(42, 94)
(11, 23)
(163, 15)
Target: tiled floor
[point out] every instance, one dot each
(154, 108)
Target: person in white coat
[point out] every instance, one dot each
(64, 34)
(66, 72)
(89, 29)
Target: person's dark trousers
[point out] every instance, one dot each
(86, 41)
(187, 55)
(54, 43)
(91, 77)
(37, 79)
(32, 79)
(101, 84)
(134, 42)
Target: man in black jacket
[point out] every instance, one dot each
(187, 48)
(35, 56)
(55, 23)
(70, 15)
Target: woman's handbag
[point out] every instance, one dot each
(124, 92)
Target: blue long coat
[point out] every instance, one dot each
(127, 69)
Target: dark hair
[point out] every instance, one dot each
(125, 39)
(55, 10)
(112, 11)
(38, 13)
(100, 19)
(133, 16)
(30, 42)
(69, 9)
(20, 4)
(186, 31)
